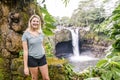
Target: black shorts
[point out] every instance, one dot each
(33, 62)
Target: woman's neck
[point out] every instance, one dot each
(33, 30)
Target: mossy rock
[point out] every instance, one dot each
(55, 61)
(1, 62)
(55, 65)
(1, 74)
(16, 63)
(59, 77)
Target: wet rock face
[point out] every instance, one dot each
(10, 36)
(63, 35)
(12, 24)
(14, 21)
(62, 43)
(64, 49)
(1, 12)
(13, 42)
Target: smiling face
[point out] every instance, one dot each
(35, 23)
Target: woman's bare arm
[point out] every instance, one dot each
(25, 57)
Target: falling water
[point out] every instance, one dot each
(75, 43)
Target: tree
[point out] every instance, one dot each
(14, 15)
(88, 14)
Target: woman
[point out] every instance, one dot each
(34, 54)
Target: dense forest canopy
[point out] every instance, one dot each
(90, 13)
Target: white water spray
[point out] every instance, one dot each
(75, 43)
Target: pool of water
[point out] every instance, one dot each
(83, 61)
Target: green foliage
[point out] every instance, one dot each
(117, 10)
(49, 49)
(117, 26)
(69, 71)
(116, 45)
(21, 53)
(115, 30)
(116, 17)
(71, 75)
(1, 74)
(106, 69)
(65, 2)
(113, 52)
(109, 67)
(48, 21)
(64, 21)
(88, 14)
(2, 70)
(101, 63)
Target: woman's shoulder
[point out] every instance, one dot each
(41, 33)
(26, 33)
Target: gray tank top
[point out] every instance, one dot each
(35, 47)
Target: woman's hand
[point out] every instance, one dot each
(26, 71)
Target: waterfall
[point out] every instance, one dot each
(77, 55)
(75, 41)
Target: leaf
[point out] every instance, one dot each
(21, 53)
(116, 17)
(115, 58)
(44, 11)
(65, 2)
(116, 73)
(43, 1)
(116, 70)
(101, 63)
(116, 44)
(117, 10)
(107, 75)
(117, 26)
(114, 52)
(50, 26)
(117, 37)
(47, 32)
(48, 18)
(117, 64)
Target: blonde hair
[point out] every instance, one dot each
(29, 23)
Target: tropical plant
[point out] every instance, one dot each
(48, 21)
(49, 49)
(87, 14)
(109, 67)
